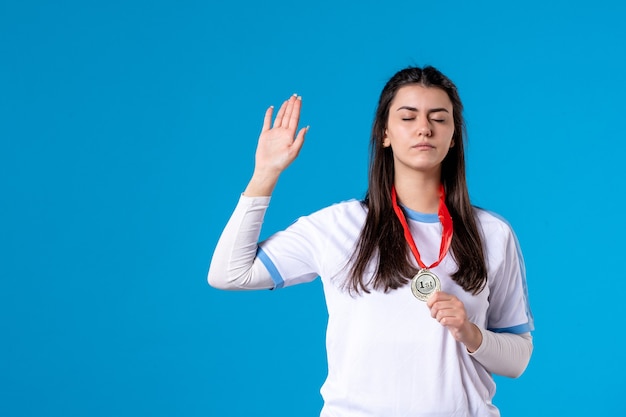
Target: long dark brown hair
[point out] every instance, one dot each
(382, 235)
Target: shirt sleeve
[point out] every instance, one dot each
(509, 309)
(505, 354)
(507, 342)
(235, 264)
(297, 254)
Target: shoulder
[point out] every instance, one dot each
(495, 228)
(328, 227)
(341, 210)
(499, 238)
(344, 214)
(490, 221)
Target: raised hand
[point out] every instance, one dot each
(278, 146)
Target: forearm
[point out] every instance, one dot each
(505, 354)
(234, 265)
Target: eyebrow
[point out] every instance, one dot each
(429, 111)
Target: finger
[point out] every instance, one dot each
(446, 316)
(267, 120)
(281, 112)
(447, 306)
(288, 111)
(439, 316)
(294, 117)
(299, 141)
(445, 312)
(437, 310)
(436, 297)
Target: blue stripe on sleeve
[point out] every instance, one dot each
(278, 280)
(519, 329)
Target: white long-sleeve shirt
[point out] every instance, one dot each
(386, 355)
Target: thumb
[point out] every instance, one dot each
(299, 140)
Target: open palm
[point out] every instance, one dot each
(278, 144)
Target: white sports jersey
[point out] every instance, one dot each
(386, 355)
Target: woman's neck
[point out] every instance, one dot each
(420, 194)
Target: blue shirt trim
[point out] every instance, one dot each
(519, 329)
(278, 280)
(421, 217)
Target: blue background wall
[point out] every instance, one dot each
(128, 130)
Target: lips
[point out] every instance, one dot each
(423, 145)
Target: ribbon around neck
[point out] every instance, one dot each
(444, 218)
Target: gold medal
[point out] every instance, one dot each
(424, 283)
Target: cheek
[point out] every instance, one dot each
(451, 136)
(399, 132)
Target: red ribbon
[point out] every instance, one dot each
(444, 218)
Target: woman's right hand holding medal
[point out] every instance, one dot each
(277, 148)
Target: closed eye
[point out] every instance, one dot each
(408, 118)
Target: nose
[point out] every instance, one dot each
(424, 129)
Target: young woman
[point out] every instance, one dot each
(426, 294)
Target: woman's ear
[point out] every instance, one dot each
(386, 141)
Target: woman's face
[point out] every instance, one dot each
(419, 129)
